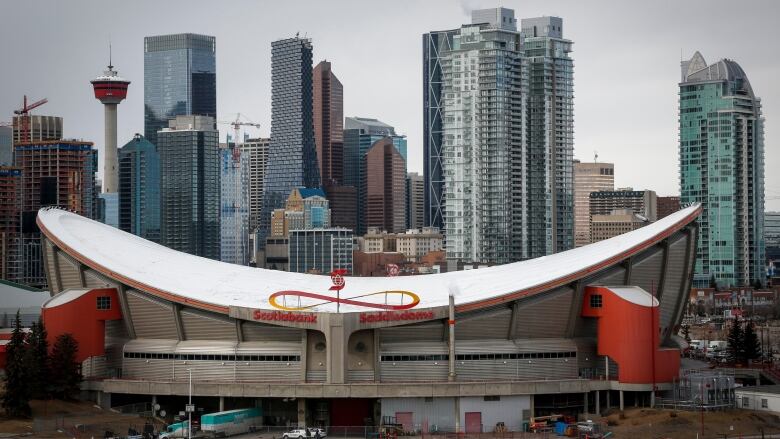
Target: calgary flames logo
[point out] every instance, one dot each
(280, 299)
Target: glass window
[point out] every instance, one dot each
(595, 301)
(103, 302)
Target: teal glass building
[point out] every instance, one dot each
(180, 78)
(139, 189)
(722, 167)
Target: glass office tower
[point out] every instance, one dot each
(139, 189)
(234, 211)
(435, 45)
(179, 79)
(190, 186)
(292, 156)
(722, 167)
(360, 133)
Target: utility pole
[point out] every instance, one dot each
(189, 409)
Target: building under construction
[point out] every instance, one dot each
(10, 190)
(53, 173)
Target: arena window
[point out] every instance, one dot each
(595, 301)
(213, 357)
(103, 303)
(480, 357)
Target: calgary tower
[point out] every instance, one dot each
(110, 89)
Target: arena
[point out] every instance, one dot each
(571, 333)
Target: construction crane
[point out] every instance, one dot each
(237, 124)
(25, 119)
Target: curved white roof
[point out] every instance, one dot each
(216, 285)
(635, 295)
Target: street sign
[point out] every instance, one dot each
(189, 408)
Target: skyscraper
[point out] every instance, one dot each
(255, 153)
(588, 177)
(139, 189)
(190, 186)
(234, 210)
(498, 103)
(292, 158)
(722, 167)
(550, 138)
(383, 183)
(329, 124)
(483, 95)
(436, 46)
(415, 201)
(179, 79)
(360, 134)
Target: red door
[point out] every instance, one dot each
(405, 419)
(473, 422)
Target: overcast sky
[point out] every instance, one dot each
(626, 54)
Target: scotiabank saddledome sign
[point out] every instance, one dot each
(395, 309)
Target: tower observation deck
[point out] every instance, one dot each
(110, 89)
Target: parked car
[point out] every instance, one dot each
(303, 433)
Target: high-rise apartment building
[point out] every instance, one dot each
(415, 201)
(139, 188)
(255, 153)
(384, 187)
(292, 156)
(180, 78)
(190, 186)
(234, 210)
(57, 173)
(38, 128)
(722, 167)
(328, 124)
(360, 134)
(498, 140)
(667, 205)
(643, 203)
(588, 178)
(550, 136)
(483, 96)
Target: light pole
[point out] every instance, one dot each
(189, 409)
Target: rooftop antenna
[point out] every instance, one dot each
(595, 156)
(110, 63)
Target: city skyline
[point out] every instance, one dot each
(644, 75)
